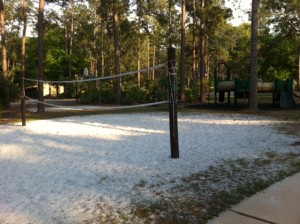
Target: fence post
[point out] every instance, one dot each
(173, 103)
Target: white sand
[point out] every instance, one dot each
(73, 169)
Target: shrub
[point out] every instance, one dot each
(108, 95)
(135, 95)
(192, 95)
(158, 89)
(14, 92)
(2, 91)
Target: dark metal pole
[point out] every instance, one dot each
(173, 103)
(23, 101)
(23, 110)
(76, 88)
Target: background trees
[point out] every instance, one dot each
(5, 91)
(117, 36)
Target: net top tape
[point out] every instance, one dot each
(98, 78)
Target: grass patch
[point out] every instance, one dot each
(203, 195)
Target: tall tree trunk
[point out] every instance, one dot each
(66, 33)
(254, 53)
(170, 24)
(102, 60)
(117, 53)
(23, 61)
(4, 53)
(139, 14)
(194, 43)
(299, 71)
(154, 55)
(139, 62)
(96, 48)
(41, 106)
(153, 61)
(102, 51)
(71, 40)
(96, 42)
(182, 50)
(139, 49)
(148, 56)
(202, 52)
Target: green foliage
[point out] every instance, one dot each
(56, 59)
(134, 95)
(158, 89)
(152, 91)
(192, 94)
(108, 95)
(90, 93)
(279, 57)
(13, 91)
(278, 47)
(90, 96)
(2, 91)
(239, 59)
(282, 74)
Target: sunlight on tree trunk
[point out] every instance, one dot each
(148, 56)
(4, 55)
(139, 46)
(153, 61)
(139, 62)
(182, 50)
(41, 106)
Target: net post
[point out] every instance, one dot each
(23, 102)
(173, 103)
(23, 111)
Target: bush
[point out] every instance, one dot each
(152, 91)
(14, 92)
(158, 89)
(192, 95)
(108, 96)
(90, 96)
(135, 95)
(2, 91)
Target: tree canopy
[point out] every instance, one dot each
(85, 34)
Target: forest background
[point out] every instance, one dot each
(115, 36)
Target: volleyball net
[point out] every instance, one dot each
(140, 88)
(142, 92)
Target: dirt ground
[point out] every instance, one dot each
(13, 114)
